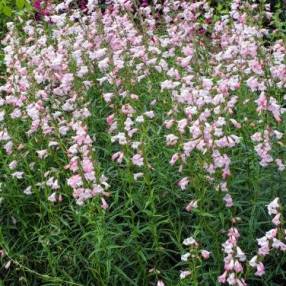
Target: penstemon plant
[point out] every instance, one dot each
(171, 83)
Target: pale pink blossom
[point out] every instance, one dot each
(228, 200)
(138, 160)
(183, 183)
(192, 205)
(260, 269)
(75, 181)
(185, 274)
(118, 156)
(190, 241)
(171, 139)
(276, 219)
(273, 207)
(222, 277)
(205, 254)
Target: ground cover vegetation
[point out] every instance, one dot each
(143, 144)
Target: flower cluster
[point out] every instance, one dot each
(273, 239)
(193, 253)
(218, 88)
(233, 262)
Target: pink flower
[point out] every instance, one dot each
(252, 83)
(261, 102)
(278, 244)
(188, 50)
(42, 8)
(276, 219)
(104, 204)
(228, 263)
(264, 250)
(82, 71)
(280, 164)
(171, 139)
(75, 181)
(110, 119)
(8, 147)
(87, 165)
(260, 269)
(237, 266)
(127, 109)
(2, 253)
(183, 183)
(182, 124)
(192, 205)
(205, 254)
(138, 160)
(169, 123)
(273, 207)
(256, 137)
(108, 96)
(174, 159)
(270, 234)
(228, 200)
(160, 283)
(118, 156)
(103, 64)
(222, 278)
(256, 67)
(275, 109)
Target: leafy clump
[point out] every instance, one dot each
(133, 136)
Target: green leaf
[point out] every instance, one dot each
(20, 4)
(202, 213)
(7, 11)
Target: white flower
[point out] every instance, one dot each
(42, 153)
(137, 176)
(18, 175)
(13, 165)
(149, 114)
(53, 197)
(189, 241)
(253, 261)
(185, 256)
(273, 207)
(240, 254)
(28, 191)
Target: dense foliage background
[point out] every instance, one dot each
(138, 239)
